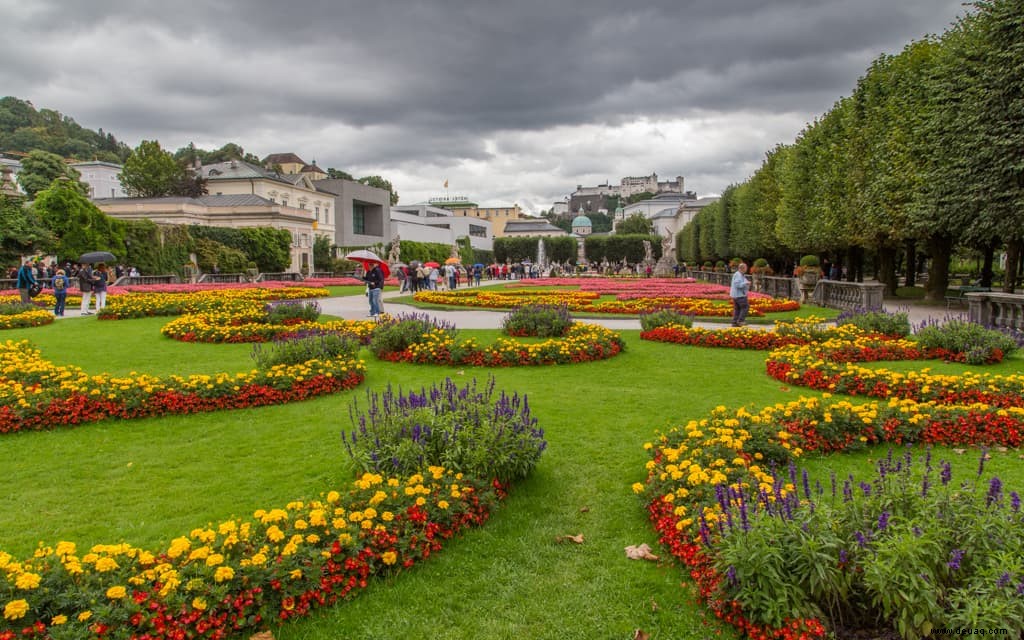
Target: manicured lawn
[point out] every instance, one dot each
(148, 481)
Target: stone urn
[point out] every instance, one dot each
(807, 281)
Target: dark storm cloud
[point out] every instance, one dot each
(405, 82)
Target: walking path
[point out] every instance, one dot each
(357, 307)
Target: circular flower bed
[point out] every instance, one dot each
(581, 343)
(144, 305)
(251, 326)
(37, 394)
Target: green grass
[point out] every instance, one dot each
(147, 481)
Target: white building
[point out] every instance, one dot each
(425, 223)
(102, 178)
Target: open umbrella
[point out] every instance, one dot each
(431, 264)
(368, 259)
(479, 265)
(453, 260)
(96, 256)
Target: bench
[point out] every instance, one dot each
(958, 296)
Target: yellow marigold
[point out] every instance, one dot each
(116, 593)
(224, 573)
(58, 620)
(27, 580)
(15, 609)
(106, 564)
(443, 504)
(274, 534)
(199, 604)
(85, 615)
(389, 557)
(214, 559)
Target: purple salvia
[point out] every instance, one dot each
(955, 556)
(947, 473)
(995, 491)
(883, 521)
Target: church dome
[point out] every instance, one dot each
(581, 221)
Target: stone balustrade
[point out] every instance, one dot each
(135, 280)
(995, 309)
(849, 295)
(219, 278)
(287, 276)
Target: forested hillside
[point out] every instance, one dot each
(24, 128)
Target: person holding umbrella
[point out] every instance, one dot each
(85, 285)
(99, 285)
(375, 283)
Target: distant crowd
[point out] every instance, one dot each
(45, 271)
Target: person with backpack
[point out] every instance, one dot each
(26, 280)
(60, 285)
(85, 284)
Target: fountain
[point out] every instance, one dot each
(541, 256)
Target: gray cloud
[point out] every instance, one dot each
(521, 100)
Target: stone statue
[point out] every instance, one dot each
(648, 252)
(396, 249)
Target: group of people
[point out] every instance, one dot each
(33, 276)
(423, 278)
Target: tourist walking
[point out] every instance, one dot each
(85, 285)
(99, 286)
(738, 289)
(26, 280)
(375, 284)
(60, 284)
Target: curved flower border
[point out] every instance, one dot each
(243, 574)
(583, 342)
(25, 319)
(249, 327)
(693, 467)
(37, 394)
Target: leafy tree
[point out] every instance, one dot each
(636, 224)
(269, 248)
(380, 183)
(40, 168)
(151, 172)
(322, 249)
(21, 231)
(77, 225)
(338, 174)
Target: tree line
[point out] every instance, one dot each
(925, 157)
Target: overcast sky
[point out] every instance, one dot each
(511, 102)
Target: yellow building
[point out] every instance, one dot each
(497, 216)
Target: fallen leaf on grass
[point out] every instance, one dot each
(640, 634)
(578, 538)
(262, 635)
(1001, 449)
(641, 552)
(959, 452)
(584, 509)
(654, 605)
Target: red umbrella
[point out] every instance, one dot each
(431, 264)
(368, 259)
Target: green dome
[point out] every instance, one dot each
(581, 221)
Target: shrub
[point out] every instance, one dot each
(977, 343)
(14, 308)
(292, 311)
(883, 322)
(399, 333)
(301, 347)
(464, 429)
(666, 316)
(911, 550)
(810, 260)
(540, 320)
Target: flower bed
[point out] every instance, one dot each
(30, 318)
(250, 326)
(582, 343)
(811, 367)
(142, 305)
(701, 476)
(703, 300)
(705, 477)
(243, 574)
(37, 394)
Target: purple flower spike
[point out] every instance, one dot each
(883, 521)
(955, 556)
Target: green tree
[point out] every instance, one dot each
(21, 231)
(77, 225)
(636, 224)
(338, 174)
(322, 252)
(40, 168)
(381, 183)
(151, 172)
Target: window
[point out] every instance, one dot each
(327, 215)
(316, 211)
(478, 231)
(358, 218)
